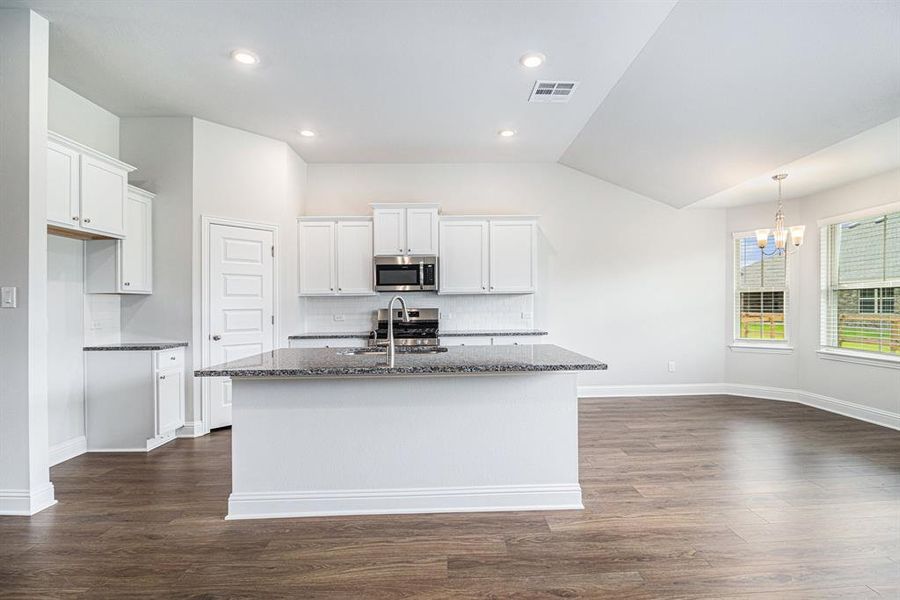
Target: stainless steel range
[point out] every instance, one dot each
(421, 330)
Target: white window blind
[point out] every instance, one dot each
(861, 284)
(761, 293)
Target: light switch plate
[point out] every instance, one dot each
(7, 297)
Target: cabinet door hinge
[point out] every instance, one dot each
(273, 319)
(273, 251)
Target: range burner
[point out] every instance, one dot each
(421, 330)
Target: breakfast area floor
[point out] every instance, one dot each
(692, 497)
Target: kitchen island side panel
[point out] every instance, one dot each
(381, 445)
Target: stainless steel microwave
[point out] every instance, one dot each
(406, 273)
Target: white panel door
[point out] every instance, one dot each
(316, 260)
(103, 191)
(241, 304)
(62, 185)
(390, 231)
(422, 231)
(136, 250)
(354, 257)
(513, 256)
(464, 257)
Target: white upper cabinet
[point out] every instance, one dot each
(354, 257)
(124, 266)
(137, 248)
(62, 185)
(488, 255)
(464, 256)
(407, 229)
(513, 256)
(390, 231)
(422, 231)
(335, 256)
(316, 247)
(86, 190)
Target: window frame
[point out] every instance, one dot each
(828, 275)
(740, 344)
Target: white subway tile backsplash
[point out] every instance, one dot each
(347, 314)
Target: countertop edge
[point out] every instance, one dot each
(365, 335)
(382, 371)
(135, 347)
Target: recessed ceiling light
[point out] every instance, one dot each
(506, 132)
(532, 60)
(245, 57)
(307, 133)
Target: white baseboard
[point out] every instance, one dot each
(192, 429)
(834, 405)
(26, 502)
(69, 449)
(404, 501)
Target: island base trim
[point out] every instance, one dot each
(404, 501)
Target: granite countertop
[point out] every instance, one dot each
(136, 346)
(366, 334)
(333, 362)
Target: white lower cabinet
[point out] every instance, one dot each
(328, 343)
(134, 399)
(466, 340)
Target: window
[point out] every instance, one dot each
(861, 284)
(761, 294)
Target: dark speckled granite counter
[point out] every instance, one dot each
(366, 334)
(333, 362)
(136, 346)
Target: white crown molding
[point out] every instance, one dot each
(853, 410)
(409, 501)
(69, 449)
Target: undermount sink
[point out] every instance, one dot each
(400, 350)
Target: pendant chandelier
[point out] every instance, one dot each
(780, 233)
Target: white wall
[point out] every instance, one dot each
(247, 177)
(75, 319)
(622, 278)
(162, 150)
(65, 313)
(870, 386)
(79, 119)
(25, 486)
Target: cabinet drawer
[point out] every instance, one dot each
(170, 359)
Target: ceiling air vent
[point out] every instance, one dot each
(552, 91)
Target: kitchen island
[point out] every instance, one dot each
(325, 431)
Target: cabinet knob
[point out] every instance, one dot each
(74, 218)
(162, 376)
(126, 283)
(87, 220)
(409, 249)
(171, 358)
(216, 338)
(340, 289)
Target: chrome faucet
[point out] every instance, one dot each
(391, 350)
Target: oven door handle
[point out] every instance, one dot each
(421, 275)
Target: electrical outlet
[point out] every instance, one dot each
(338, 317)
(446, 315)
(671, 366)
(95, 325)
(526, 315)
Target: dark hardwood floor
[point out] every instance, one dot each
(712, 497)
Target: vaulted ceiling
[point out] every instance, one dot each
(678, 102)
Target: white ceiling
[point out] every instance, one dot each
(701, 101)
(379, 81)
(727, 91)
(871, 152)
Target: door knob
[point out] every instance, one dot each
(216, 338)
